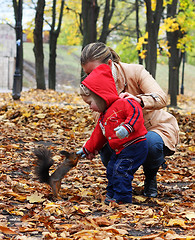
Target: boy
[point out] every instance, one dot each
(121, 124)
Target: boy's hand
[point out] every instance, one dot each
(121, 132)
(88, 156)
(80, 152)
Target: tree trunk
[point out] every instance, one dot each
(173, 67)
(152, 27)
(137, 29)
(108, 13)
(38, 45)
(175, 58)
(89, 15)
(52, 60)
(53, 44)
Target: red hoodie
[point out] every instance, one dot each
(120, 111)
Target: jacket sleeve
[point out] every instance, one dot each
(148, 90)
(153, 96)
(95, 142)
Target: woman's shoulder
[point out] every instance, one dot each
(131, 65)
(131, 69)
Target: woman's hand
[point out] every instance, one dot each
(129, 95)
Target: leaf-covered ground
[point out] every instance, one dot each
(62, 121)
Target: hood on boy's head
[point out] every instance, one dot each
(101, 82)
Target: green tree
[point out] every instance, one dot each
(179, 23)
(71, 29)
(43, 14)
(126, 50)
(104, 19)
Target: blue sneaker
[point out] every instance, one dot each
(109, 200)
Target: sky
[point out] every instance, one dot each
(7, 13)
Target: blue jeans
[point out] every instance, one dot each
(121, 168)
(156, 151)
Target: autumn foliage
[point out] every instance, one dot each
(62, 121)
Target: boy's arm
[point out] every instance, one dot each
(134, 118)
(96, 141)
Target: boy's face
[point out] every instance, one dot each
(91, 102)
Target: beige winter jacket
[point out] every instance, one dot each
(134, 79)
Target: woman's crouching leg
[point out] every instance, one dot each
(154, 160)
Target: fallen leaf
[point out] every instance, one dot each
(190, 215)
(140, 198)
(35, 197)
(41, 115)
(177, 222)
(6, 230)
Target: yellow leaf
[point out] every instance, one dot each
(140, 199)
(26, 114)
(82, 210)
(176, 222)
(17, 196)
(35, 197)
(17, 213)
(41, 115)
(114, 216)
(192, 148)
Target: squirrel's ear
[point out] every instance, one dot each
(65, 153)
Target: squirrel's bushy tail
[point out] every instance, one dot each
(43, 164)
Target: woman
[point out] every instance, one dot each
(134, 81)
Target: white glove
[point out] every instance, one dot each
(80, 152)
(121, 132)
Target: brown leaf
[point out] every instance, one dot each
(6, 230)
(102, 221)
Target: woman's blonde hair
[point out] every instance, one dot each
(98, 51)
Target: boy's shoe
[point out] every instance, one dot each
(109, 200)
(150, 187)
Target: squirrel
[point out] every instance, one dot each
(45, 161)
